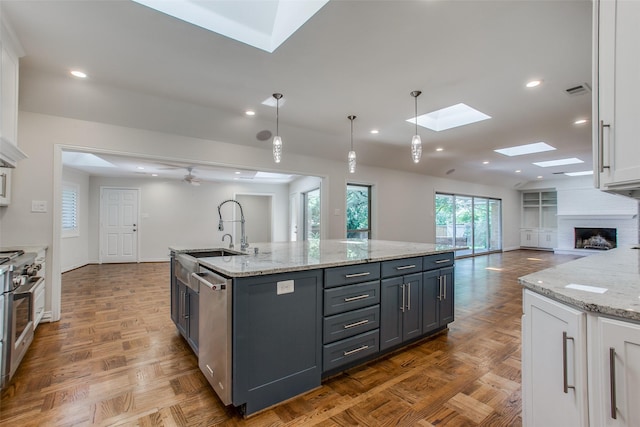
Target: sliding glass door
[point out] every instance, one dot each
(469, 221)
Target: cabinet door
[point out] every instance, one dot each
(447, 297)
(529, 238)
(616, 146)
(390, 312)
(554, 377)
(412, 312)
(430, 300)
(618, 385)
(547, 239)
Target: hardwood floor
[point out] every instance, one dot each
(115, 358)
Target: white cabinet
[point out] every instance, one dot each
(578, 369)
(554, 363)
(616, 100)
(39, 293)
(547, 239)
(615, 373)
(529, 237)
(9, 67)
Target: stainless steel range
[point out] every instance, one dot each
(18, 277)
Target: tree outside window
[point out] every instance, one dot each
(358, 211)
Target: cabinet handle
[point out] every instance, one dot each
(185, 307)
(353, 325)
(349, 276)
(601, 146)
(402, 306)
(612, 381)
(356, 298)
(440, 261)
(404, 267)
(408, 296)
(565, 374)
(356, 350)
(439, 287)
(444, 287)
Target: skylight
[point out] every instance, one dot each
(264, 24)
(581, 173)
(450, 117)
(519, 150)
(72, 158)
(559, 162)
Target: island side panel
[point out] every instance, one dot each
(277, 338)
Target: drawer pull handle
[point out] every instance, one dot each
(565, 374)
(440, 261)
(356, 298)
(612, 381)
(349, 276)
(404, 267)
(353, 325)
(356, 350)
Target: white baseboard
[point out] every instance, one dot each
(73, 267)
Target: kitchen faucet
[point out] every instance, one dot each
(243, 239)
(230, 240)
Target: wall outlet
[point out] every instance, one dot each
(285, 287)
(39, 206)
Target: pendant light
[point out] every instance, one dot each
(277, 141)
(351, 158)
(416, 142)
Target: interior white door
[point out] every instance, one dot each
(119, 225)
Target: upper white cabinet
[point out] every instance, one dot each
(9, 70)
(616, 96)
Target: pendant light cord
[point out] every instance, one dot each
(277, 116)
(415, 98)
(351, 133)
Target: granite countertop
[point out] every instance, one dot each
(283, 257)
(612, 281)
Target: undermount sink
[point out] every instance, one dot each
(214, 253)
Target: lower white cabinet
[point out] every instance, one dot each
(547, 239)
(538, 238)
(578, 368)
(38, 304)
(614, 371)
(529, 237)
(554, 363)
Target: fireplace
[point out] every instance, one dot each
(595, 238)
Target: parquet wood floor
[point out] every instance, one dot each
(115, 358)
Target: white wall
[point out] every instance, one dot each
(174, 213)
(74, 250)
(403, 205)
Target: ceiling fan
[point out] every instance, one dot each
(191, 178)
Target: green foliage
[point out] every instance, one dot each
(357, 208)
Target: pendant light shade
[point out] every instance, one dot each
(416, 142)
(277, 141)
(351, 158)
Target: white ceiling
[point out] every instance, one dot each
(151, 71)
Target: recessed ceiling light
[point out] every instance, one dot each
(375, 131)
(559, 162)
(485, 162)
(533, 83)
(518, 171)
(237, 172)
(450, 117)
(250, 113)
(79, 74)
(154, 174)
(519, 150)
(580, 122)
(439, 149)
(581, 173)
(140, 168)
(539, 176)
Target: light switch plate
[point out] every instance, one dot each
(39, 206)
(285, 287)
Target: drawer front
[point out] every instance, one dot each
(351, 297)
(352, 323)
(399, 267)
(431, 262)
(346, 351)
(340, 276)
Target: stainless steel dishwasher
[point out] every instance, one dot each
(214, 355)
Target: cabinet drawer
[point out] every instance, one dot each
(346, 351)
(400, 267)
(339, 276)
(345, 298)
(352, 323)
(431, 262)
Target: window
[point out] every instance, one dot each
(470, 221)
(70, 210)
(311, 200)
(358, 211)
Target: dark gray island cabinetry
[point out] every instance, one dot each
(303, 311)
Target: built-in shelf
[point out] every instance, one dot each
(539, 219)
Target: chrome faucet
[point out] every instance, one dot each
(230, 240)
(243, 239)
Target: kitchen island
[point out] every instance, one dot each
(298, 312)
(581, 342)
